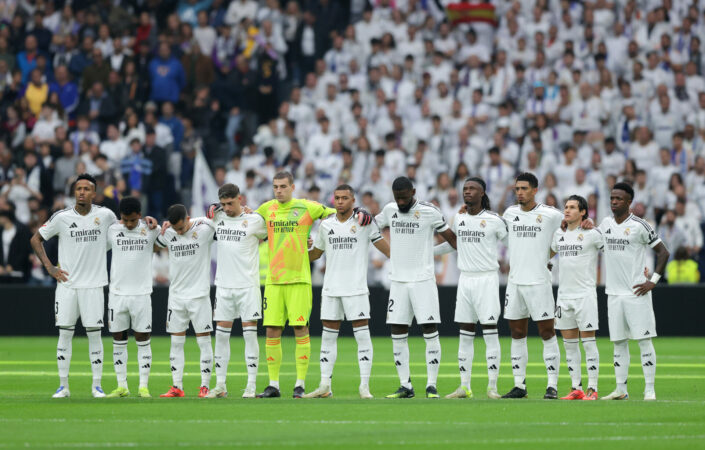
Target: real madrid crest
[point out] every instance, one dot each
(244, 224)
(97, 221)
(483, 224)
(143, 231)
(417, 214)
(627, 231)
(580, 237)
(539, 219)
(353, 229)
(194, 235)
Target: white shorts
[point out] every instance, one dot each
(522, 301)
(353, 307)
(237, 303)
(416, 299)
(196, 310)
(631, 317)
(70, 304)
(129, 311)
(477, 299)
(580, 313)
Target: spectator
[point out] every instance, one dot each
(166, 76)
(19, 192)
(96, 72)
(15, 250)
(158, 178)
(136, 170)
(27, 59)
(37, 92)
(682, 269)
(66, 89)
(98, 108)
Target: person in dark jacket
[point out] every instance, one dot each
(166, 75)
(15, 249)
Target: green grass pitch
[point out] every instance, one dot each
(29, 417)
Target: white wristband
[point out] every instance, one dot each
(655, 277)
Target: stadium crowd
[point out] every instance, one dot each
(581, 93)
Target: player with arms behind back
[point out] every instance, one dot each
(189, 244)
(630, 311)
(529, 291)
(478, 231)
(81, 274)
(413, 292)
(576, 307)
(129, 301)
(237, 285)
(345, 293)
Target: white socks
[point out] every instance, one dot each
(466, 352)
(63, 355)
(592, 361)
(144, 358)
(249, 334)
(120, 362)
(572, 360)
(204, 344)
(648, 363)
(95, 350)
(176, 357)
(433, 357)
(329, 353)
(492, 354)
(400, 346)
(520, 357)
(364, 353)
(621, 364)
(222, 354)
(552, 359)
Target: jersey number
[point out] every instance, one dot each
(112, 316)
(391, 303)
(558, 312)
(264, 303)
(56, 307)
(168, 317)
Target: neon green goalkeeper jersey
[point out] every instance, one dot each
(288, 227)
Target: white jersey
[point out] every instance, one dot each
(411, 236)
(626, 245)
(346, 245)
(189, 259)
(577, 261)
(477, 238)
(131, 266)
(82, 245)
(530, 236)
(238, 249)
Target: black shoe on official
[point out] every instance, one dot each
(432, 392)
(270, 392)
(403, 392)
(551, 393)
(299, 392)
(516, 392)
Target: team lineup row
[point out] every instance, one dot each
(533, 232)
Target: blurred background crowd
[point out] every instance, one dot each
(581, 93)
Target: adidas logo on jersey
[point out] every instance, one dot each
(616, 364)
(515, 366)
(206, 370)
(433, 361)
(397, 363)
(208, 327)
(394, 216)
(645, 334)
(173, 239)
(121, 234)
(461, 224)
(544, 314)
(609, 231)
(97, 361)
(255, 314)
(173, 369)
(61, 358)
(73, 225)
(324, 359)
(492, 367)
(550, 368)
(117, 363)
(149, 327)
(364, 358)
(491, 318)
(100, 322)
(362, 314)
(516, 219)
(331, 232)
(252, 365)
(592, 368)
(561, 239)
(430, 318)
(221, 224)
(462, 369)
(589, 325)
(147, 366)
(648, 364)
(217, 365)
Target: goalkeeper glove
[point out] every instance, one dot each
(212, 209)
(364, 218)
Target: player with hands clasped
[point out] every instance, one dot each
(478, 230)
(345, 294)
(413, 292)
(576, 307)
(630, 310)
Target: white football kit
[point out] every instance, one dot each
(478, 286)
(577, 251)
(237, 275)
(189, 276)
(413, 291)
(346, 246)
(626, 244)
(82, 254)
(129, 300)
(529, 291)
